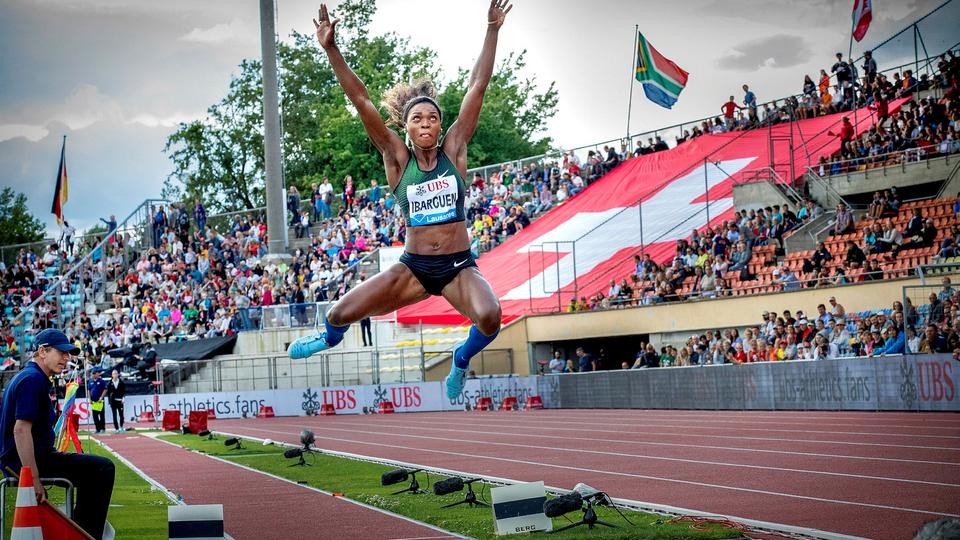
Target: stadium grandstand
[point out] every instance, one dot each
(815, 233)
(169, 273)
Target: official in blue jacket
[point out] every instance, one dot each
(97, 392)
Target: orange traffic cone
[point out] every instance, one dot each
(26, 517)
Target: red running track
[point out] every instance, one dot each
(259, 506)
(876, 475)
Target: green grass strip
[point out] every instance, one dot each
(360, 481)
(137, 509)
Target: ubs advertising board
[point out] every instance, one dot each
(406, 397)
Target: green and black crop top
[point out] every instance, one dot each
(431, 197)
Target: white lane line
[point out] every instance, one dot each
(684, 418)
(688, 426)
(628, 475)
(735, 437)
(643, 456)
(406, 424)
(640, 506)
(318, 490)
(942, 416)
(160, 487)
(708, 416)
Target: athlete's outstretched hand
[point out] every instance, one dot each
(325, 28)
(498, 12)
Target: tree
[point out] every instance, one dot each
(17, 224)
(220, 158)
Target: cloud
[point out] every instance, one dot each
(152, 120)
(235, 30)
(777, 51)
(85, 106)
(31, 133)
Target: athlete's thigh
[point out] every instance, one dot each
(471, 295)
(384, 293)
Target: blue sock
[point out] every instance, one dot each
(476, 341)
(335, 333)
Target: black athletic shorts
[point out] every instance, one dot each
(435, 271)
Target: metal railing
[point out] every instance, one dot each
(883, 161)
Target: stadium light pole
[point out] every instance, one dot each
(276, 212)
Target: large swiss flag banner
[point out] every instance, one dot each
(579, 246)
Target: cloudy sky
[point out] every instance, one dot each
(116, 76)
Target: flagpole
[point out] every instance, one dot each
(852, 28)
(63, 154)
(633, 76)
(853, 23)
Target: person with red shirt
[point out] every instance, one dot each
(739, 356)
(728, 109)
(882, 107)
(846, 131)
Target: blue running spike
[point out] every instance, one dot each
(308, 346)
(457, 377)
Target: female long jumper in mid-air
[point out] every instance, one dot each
(428, 182)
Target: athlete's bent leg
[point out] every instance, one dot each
(473, 297)
(386, 292)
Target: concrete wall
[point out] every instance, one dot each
(804, 239)
(904, 174)
(758, 195)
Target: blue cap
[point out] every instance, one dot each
(56, 339)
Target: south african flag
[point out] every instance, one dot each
(662, 79)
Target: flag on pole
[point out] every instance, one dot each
(662, 79)
(60, 192)
(862, 15)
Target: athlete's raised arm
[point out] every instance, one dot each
(386, 140)
(462, 130)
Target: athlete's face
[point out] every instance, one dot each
(423, 125)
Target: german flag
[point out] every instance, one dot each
(60, 193)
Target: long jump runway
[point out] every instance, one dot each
(256, 505)
(875, 475)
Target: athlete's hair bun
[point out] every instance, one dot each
(401, 98)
